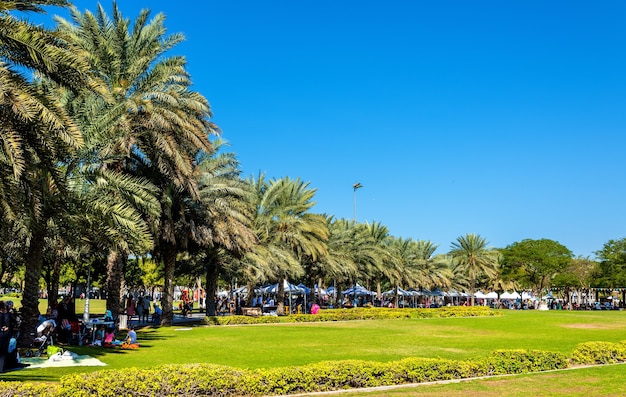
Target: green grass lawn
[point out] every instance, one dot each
(265, 346)
(97, 307)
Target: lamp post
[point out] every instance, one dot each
(356, 186)
(86, 311)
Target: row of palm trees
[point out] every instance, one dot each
(108, 152)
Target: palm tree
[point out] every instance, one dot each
(156, 125)
(288, 234)
(339, 264)
(433, 270)
(25, 111)
(222, 217)
(473, 257)
(35, 133)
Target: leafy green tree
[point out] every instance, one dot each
(612, 268)
(536, 262)
(473, 257)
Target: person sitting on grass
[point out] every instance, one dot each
(109, 337)
(131, 337)
(99, 336)
(156, 316)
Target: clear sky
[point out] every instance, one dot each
(502, 118)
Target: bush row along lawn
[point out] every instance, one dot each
(606, 380)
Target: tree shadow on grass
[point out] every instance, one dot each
(147, 337)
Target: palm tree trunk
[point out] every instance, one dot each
(280, 305)
(115, 262)
(396, 299)
(169, 262)
(251, 294)
(30, 298)
(472, 285)
(53, 287)
(313, 297)
(212, 275)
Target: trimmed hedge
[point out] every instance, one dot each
(503, 362)
(238, 320)
(599, 353)
(217, 380)
(361, 313)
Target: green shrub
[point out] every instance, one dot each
(238, 320)
(521, 361)
(416, 370)
(360, 313)
(168, 380)
(19, 389)
(216, 380)
(599, 353)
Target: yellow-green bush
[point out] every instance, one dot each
(239, 320)
(19, 389)
(599, 353)
(361, 313)
(167, 380)
(215, 380)
(521, 361)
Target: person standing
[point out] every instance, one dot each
(146, 308)
(139, 307)
(130, 306)
(5, 334)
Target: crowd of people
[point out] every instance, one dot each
(140, 306)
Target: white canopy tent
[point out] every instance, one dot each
(510, 295)
(491, 295)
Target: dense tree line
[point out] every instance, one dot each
(109, 162)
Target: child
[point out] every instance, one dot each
(131, 338)
(109, 337)
(99, 337)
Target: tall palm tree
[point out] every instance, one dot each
(433, 270)
(339, 264)
(25, 111)
(156, 124)
(35, 132)
(222, 217)
(384, 267)
(288, 233)
(472, 255)
(356, 252)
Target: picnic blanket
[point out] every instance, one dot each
(66, 359)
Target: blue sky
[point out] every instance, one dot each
(505, 119)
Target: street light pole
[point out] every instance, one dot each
(86, 310)
(356, 186)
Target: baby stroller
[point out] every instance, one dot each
(43, 339)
